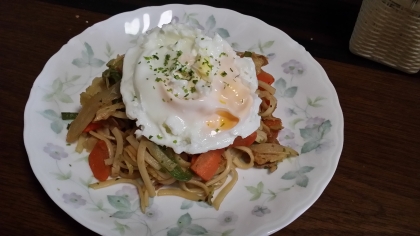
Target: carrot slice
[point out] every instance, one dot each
(273, 123)
(97, 161)
(207, 164)
(194, 159)
(272, 137)
(239, 141)
(92, 126)
(265, 77)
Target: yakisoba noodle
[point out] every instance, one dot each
(136, 161)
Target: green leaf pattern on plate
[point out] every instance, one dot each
(57, 124)
(119, 202)
(62, 176)
(186, 225)
(88, 58)
(187, 204)
(121, 228)
(59, 89)
(210, 24)
(227, 232)
(108, 52)
(312, 129)
(300, 177)
(316, 128)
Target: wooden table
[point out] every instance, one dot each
(376, 188)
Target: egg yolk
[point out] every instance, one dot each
(222, 120)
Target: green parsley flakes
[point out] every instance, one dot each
(167, 57)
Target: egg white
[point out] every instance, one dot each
(179, 84)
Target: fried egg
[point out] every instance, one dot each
(189, 91)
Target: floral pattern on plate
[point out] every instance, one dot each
(308, 106)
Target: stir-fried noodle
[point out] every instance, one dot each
(155, 170)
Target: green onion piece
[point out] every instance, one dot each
(247, 54)
(178, 173)
(112, 76)
(163, 160)
(68, 115)
(166, 159)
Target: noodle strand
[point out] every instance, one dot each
(222, 194)
(142, 168)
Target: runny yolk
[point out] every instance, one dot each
(223, 120)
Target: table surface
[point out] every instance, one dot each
(376, 188)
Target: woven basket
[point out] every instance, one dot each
(388, 31)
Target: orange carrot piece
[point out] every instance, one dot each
(272, 137)
(239, 141)
(97, 161)
(92, 126)
(207, 164)
(274, 123)
(265, 77)
(194, 159)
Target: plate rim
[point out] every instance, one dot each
(269, 227)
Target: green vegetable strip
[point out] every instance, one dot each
(247, 54)
(163, 160)
(178, 173)
(68, 115)
(173, 168)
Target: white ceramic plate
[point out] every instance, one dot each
(259, 204)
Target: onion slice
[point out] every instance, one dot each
(89, 109)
